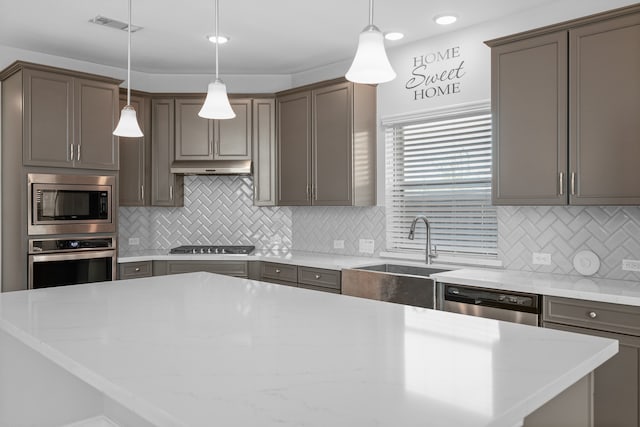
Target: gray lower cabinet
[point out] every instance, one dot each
(616, 382)
(228, 268)
(327, 145)
(564, 134)
(318, 279)
(135, 270)
(135, 157)
(167, 189)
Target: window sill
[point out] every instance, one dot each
(445, 259)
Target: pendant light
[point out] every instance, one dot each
(370, 65)
(128, 125)
(216, 105)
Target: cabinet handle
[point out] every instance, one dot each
(71, 151)
(593, 314)
(78, 147)
(171, 192)
(313, 193)
(278, 270)
(210, 146)
(317, 276)
(308, 192)
(573, 183)
(562, 183)
(137, 269)
(142, 192)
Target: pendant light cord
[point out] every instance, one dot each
(217, 14)
(370, 12)
(129, 59)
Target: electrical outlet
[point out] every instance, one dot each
(631, 265)
(338, 244)
(134, 241)
(366, 246)
(540, 258)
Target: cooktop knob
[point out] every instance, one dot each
(208, 250)
(194, 250)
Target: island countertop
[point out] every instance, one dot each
(202, 349)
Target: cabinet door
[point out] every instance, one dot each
(616, 395)
(264, 152)
(167, 188)
(194, 135)
(332, 145)
(233, 136)
(294, 149)
(604, 109)
(96, 116)
(529, 107)
(48, 119)
(135, 155)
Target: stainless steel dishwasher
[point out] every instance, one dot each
(495, 304)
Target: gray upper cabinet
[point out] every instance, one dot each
(202, 139)
(321, 162)
(233, 136)
(194, 135)
(167, 188)
(529, 108)
(264, 152)
(69, 119)
(564, 132)
(605, 105)
(135, 157)
(294, 149)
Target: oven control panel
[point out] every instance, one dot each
(70, 244)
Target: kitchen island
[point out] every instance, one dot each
(202, 349)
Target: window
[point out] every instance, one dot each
(440, 167)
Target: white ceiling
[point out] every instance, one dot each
(267, 36)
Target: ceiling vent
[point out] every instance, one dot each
(112, 23)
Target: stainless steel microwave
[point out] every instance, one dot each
(70, 204)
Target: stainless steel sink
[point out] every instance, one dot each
(397, 283)
(403, 269)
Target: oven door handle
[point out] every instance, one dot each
(72, 255)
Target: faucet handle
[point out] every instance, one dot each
(434, 251)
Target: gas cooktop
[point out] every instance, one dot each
(210, 249)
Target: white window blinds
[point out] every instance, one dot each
(440, 167)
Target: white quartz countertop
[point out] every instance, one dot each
(202, 349)
(586, 288)
(308, 259)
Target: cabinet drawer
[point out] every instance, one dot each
(593, 315)
(132, 270)
(280, 272)
(319, 277)
(228, 268)
(320, 288)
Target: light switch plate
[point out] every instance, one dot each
(366, 246)
(134, 241)
(338, 244)
(541, 258)
(631, 265)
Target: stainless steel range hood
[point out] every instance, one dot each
(211, 167)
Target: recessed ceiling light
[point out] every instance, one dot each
(223, 39)
(445, 19)
(393, 36)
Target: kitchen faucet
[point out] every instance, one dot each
(412, 231)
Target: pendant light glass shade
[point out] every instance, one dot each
(128, 125)
(216, 105)
(370, 65)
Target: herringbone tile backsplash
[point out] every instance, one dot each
(611, 232)
(217, 210)
(315, 228)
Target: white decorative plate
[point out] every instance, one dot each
(586, 263)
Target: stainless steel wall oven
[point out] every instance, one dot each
(70, 204)
(71, 261)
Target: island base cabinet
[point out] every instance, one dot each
(616, 398)
(571, 408)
